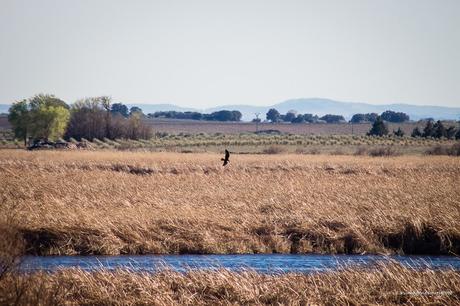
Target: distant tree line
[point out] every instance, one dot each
(98, 118)
(223, 115)
(362, 118)
(45, 117)
(274, 115)
(437, 130)
(432, 129)
(389, 116)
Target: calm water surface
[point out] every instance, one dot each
(266, 263)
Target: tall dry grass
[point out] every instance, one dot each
(126, 203)
(389, 285)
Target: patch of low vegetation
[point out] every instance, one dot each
(384, 151)
(453, 150)
(273, 149)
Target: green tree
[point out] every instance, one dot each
(19, 118)
(40, 117)
(416, 132)
(450, 132)
(439, 130)
(399, 132)
(49, 122)
(379, 128)
(44, 99)
(428, 131)
(290, 115)
(273, 115)
(49, 117)
(120, 108)
(135, 109)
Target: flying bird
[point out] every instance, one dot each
(227, 158)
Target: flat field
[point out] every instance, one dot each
(111, 202)
(195, 127)
(175, 126)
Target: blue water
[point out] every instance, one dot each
(266, 263)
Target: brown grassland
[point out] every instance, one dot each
(386, 285)
(113, 202)
(134, 203)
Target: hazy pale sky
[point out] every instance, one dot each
(207, 53)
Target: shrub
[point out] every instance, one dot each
(453, 150)
(385, 151)
(399, 132)
(273, 150)
(361, 150)
(416, 133)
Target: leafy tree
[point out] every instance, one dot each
(371, 117)
(305, 118)
(195, 115)
(120, 108)
(19, 117)
(392, 116)
(237, 115)
(439, 130)
(379, 128)
(428, 130)
(223, 115)
(310, 117)
(358, 118)
(398, 132)
(298, 119)
(291, 115)
(41, 117)
(135, 109)
(457, 135)
(416, 132)
(450, 132)
(332, 118)
(45, 99)
(49, 122)
(273, 115)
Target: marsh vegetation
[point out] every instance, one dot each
(112, 202)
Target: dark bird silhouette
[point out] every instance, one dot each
(227, 158)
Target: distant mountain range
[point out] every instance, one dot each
(316, 106)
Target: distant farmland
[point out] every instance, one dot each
(175, 126)
(194, 127)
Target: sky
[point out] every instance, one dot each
(205, 53)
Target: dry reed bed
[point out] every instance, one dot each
(389, 284)
(113, 202)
